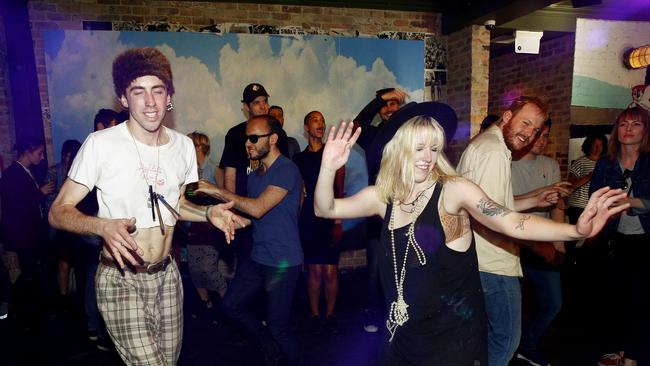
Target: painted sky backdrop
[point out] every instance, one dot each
(599, 78)
(335, 75)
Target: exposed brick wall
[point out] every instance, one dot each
(61, 14)
(549, 75)
(7, 131)
(468, 80)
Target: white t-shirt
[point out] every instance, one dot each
(122, 173)
(528, 175)
(487, 162)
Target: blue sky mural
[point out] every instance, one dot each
(337, 76)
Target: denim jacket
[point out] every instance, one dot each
(608, 173)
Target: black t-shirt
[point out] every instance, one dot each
(235, 156)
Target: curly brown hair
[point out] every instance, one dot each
(136, 62)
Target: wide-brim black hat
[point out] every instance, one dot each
(441, 112)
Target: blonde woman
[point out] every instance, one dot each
(428, 263)
(202, 239)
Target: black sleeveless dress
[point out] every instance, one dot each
(447, 324)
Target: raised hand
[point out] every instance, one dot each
(397, 94)
(338, 145)
(119, 243)
(599, 209)
(225, 220)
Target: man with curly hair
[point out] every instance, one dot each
(140, 169)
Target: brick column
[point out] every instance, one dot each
(468, 81)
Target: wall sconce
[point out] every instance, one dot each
(636, 58)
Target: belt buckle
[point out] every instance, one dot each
(154, 267)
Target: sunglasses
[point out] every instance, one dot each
(626, 174)
(254, 138)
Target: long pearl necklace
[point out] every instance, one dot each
(398, 314)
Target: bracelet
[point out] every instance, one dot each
(207, 212)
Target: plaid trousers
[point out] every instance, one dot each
(143, 313)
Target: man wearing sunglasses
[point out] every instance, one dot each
(273, 202)
(235, 161)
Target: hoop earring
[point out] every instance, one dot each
(170, 106)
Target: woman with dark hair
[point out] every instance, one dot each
(23, 227)
(580, 172)
(627, 166)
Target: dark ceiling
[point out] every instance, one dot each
(546, 15)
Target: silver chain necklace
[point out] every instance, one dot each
(152, 201)
(398, 314)
(142, 166)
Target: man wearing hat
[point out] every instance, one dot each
(386, 102)
(234, 161)
(140, 169)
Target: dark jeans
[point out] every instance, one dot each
(5, 283)
(279, 284)
(34, 287)
(374, 294)
(632, 273)
(548, 300)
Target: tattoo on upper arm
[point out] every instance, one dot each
(522, 219)
(491, 208)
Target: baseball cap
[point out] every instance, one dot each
(253, 91)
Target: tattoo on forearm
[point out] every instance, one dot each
(522, 219)
(491, 208)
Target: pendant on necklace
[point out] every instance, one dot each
(399, 311)
(397, 316)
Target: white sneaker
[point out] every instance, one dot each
(4, 310)
(370, 328)
(369, 322)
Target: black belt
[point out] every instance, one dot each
(145, 268)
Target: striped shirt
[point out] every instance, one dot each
(581, 167)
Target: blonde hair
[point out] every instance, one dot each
(200, 140)
(396, 178)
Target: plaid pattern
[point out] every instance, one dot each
(143, 313)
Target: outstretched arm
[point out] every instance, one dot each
(470, 197)
(256, 207)
(115, 232)
(542, 197)
(335, 155)
(218, 215)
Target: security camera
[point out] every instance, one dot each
(490, 24)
